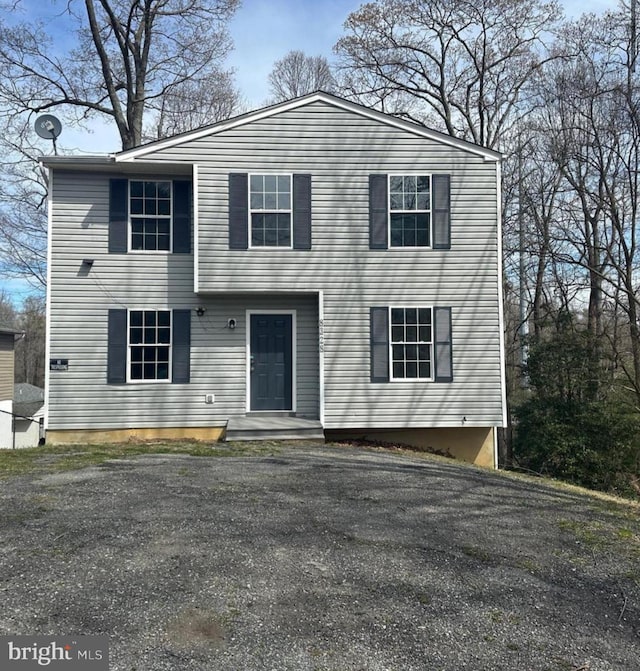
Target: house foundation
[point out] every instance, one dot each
(98, 436)
(473, 444)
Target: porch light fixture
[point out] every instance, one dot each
(87, 263)
(200, 311)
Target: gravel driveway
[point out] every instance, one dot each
(321, 559)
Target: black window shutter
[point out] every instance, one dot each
(181, 347)
(378, 215)
(238, 210)
(182, 217)
(117, 347)
(302, 211)
(441, 211)
(379, 337)
(118, 216)
(443, 352)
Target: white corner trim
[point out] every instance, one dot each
(503, 379)
(47, 373)
(195, 223)
(321, 340)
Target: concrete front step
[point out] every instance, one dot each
(273, 427)
(274, 435)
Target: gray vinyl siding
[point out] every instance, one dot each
(79, 303)
(340, 150)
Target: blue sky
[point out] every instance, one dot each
(264, 31)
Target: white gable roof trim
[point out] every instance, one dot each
(320, 96)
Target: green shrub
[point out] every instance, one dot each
(574, 425)
(590, 444)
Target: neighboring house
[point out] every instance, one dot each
(7, 364)
(7, 373)
(16, 430)
(28, 408)
(312, 266)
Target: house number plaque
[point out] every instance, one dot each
(58, 364)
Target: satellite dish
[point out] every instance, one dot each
(48, 127)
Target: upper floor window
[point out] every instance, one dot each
(410, 210)
(270, 210)
(150, 215)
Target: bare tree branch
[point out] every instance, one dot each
(467, 65)
(296, 75)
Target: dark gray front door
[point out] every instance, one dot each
(271, 362)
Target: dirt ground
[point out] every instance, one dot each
(321, 559)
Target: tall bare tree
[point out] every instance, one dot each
(128, 58)
(465, 66)
(582, 193)
(30, 349)
(23, 196)
(297, 74)
(193, 104)
(8, 314)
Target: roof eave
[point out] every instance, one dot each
(102, 164)
(76, 161)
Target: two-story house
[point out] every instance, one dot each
(315, 265)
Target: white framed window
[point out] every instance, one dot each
(150, 215)
(411, 343)
(149, 345)
(270, 210)
(410, 210)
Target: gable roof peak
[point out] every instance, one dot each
(296, 103)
